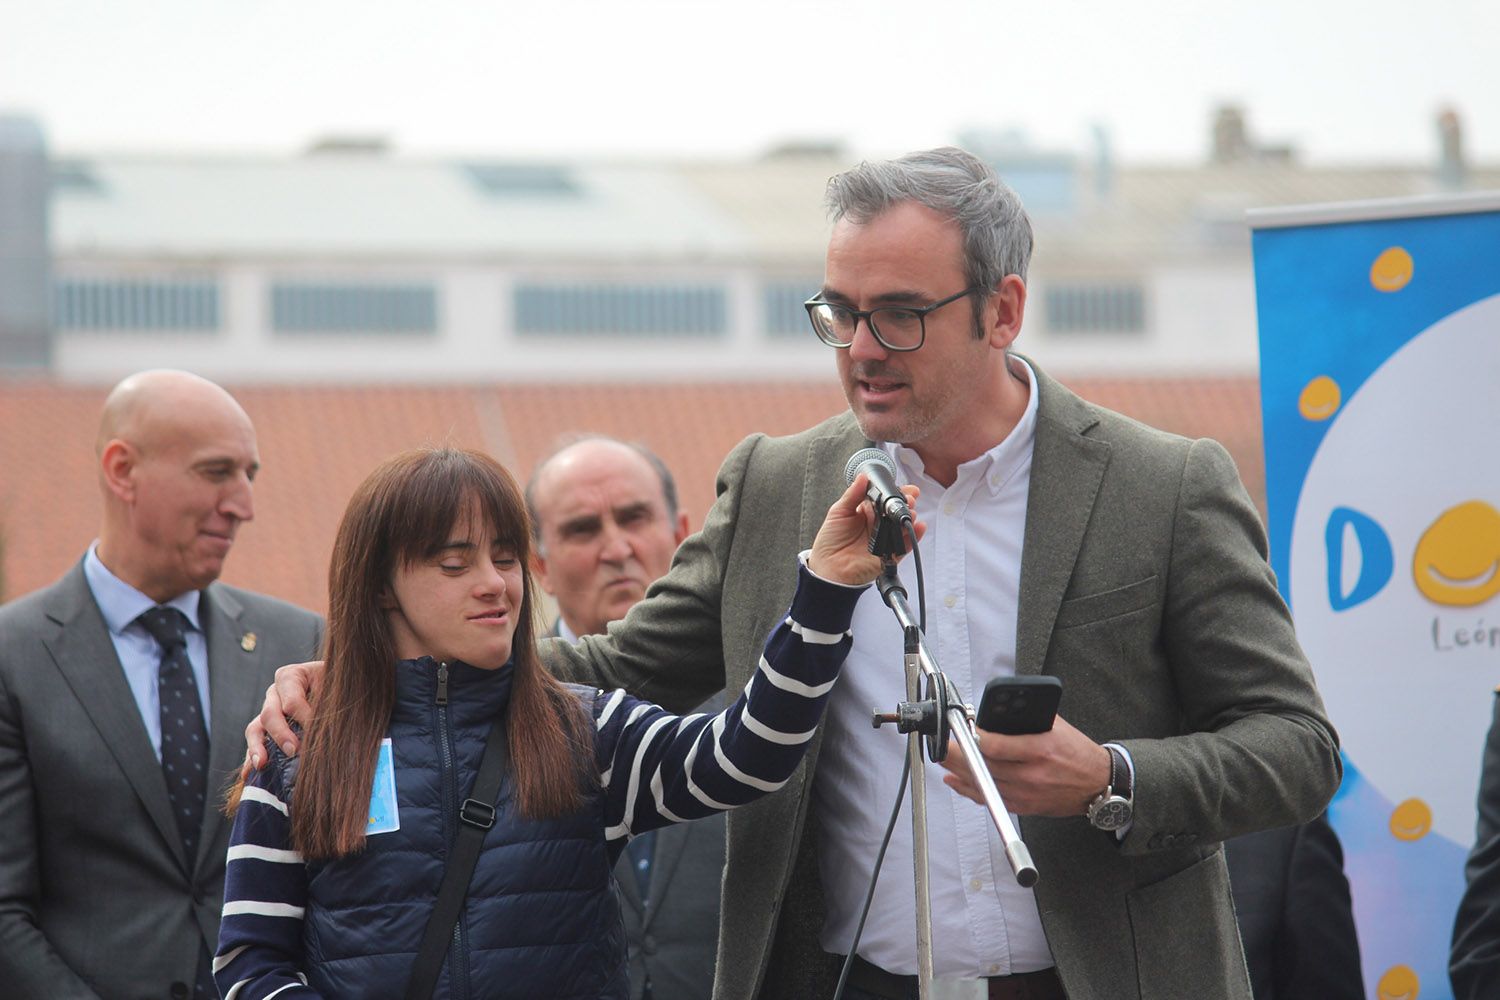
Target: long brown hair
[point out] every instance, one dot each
(402, 513)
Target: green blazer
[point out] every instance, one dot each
(1144, 586)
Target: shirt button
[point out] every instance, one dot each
(974, 884)
(994, 970)
(949, 508)
(950, 600)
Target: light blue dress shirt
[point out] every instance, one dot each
(140, 655)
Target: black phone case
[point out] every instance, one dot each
(1019, 706)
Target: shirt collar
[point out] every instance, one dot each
(121, 604)
(1000, 464)
(564, 632)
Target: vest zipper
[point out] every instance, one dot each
(458, 952)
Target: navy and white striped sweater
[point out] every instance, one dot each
(541, 919)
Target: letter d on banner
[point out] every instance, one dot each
(1376, 560)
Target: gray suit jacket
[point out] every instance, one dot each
(96, 896)
(1144, 586)
(672, 937)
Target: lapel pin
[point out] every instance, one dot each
(247, 642)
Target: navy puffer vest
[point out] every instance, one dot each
(542, 919)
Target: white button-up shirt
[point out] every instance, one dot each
(983, 923)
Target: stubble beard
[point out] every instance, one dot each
(911, 422)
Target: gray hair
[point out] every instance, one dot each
(668, 484)
(996, 231)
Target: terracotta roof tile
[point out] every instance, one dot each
(318, 442)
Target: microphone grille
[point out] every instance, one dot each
(859, 458)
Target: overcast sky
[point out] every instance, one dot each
(1342, 80)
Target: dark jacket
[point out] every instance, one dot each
(1291, 899)
(1474, 964)
(560, 868)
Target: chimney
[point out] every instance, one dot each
(1104, 163)
(348, 144)
(1451, 172)
(25, 245)
(1231, 139)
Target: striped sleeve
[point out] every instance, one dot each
(265, 891)
(660, 768)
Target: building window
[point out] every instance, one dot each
(136, 303)
(619, 309)
(782, 310)
(307, 307)
(1106, 307)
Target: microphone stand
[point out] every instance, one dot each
(941, 714)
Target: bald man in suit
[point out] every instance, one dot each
(123, 690)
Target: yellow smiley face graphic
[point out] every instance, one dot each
(1457, 561)
(1398, 983)
(1392, 270)
(1320, 399)
(1411, 820)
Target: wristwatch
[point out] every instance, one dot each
(1111, 808)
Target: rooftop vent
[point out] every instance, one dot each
(509, 180)
(76, 177)
(349, 145)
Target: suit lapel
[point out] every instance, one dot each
(823, 475)
(1066, 470)
(628, 891)
(822, 484)
(85, 656)
(234, 656)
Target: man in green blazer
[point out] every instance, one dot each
(1062, 539)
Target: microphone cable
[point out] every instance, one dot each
(910, 529)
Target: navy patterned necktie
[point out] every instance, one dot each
(184, 738)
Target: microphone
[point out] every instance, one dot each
(889, 501)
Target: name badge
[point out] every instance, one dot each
(384, 816)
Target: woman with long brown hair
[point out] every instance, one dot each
(336, 856)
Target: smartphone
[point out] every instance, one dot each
(1018, 706)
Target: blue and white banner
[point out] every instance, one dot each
(1380, 390)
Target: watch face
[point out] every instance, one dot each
(1111, 814)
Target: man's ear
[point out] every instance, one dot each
(117, 463)
(1004, 310)
(539, 571)
(681, 529)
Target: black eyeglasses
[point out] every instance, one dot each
(897, 328)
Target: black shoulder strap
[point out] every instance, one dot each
(476, 816)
